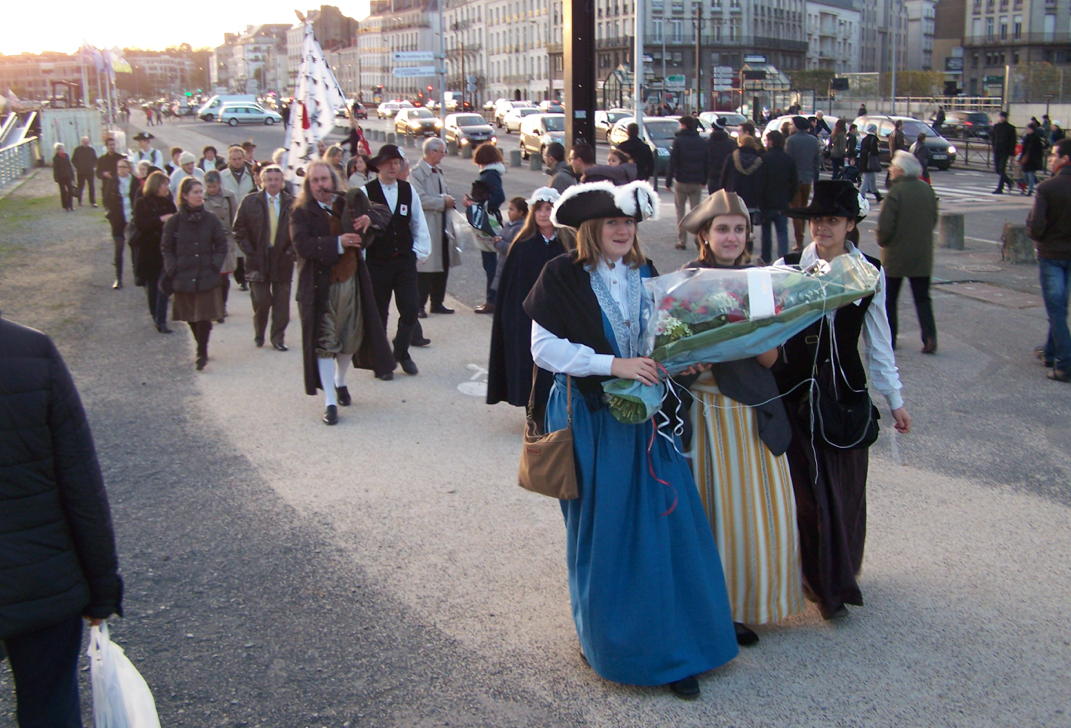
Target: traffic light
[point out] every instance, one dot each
(188, 94)
(429, 88)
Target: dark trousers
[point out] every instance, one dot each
(66, 193)
(432, 285)
(774, 220)
(398, 276)
(119, 243)
(802, 199)
(838, 166)
(920, 290)
(270, 298)
(490, 265)
(239, 272)
(83, 180)
(1000, 166)
(157, 301)
(201, 331)
(45, 667)
(225, 285)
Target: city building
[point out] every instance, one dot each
(250, 53)
(160, 72)
(833, 32)
(220, 63)
(28, 75)
(948, 41)
(400, 25)
(881, 20)
(921, 30)
(999, 33)
(331, 29)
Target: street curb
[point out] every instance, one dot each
(19, 183)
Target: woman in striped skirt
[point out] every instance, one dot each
(740, 435)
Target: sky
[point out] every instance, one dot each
(61, 25)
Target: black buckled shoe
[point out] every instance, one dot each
(343, 395)
(744, 636)
(331, 415)
(441, 309)
(385, 377)
(686, 689)
(409, 366)
(421, 342)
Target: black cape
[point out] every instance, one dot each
(509, 373)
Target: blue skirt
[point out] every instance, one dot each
(647, 589)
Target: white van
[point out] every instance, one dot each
(210, 110)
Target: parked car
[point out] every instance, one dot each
(730, 120)
(504, 106)
(548, 106)
(539, 130)
(512, 120)
(605, 120)
(235, 114)
(658, 132)
(964, 124)
(416, 122)
(489, 105)
(942, 152)
(468, 129)
(388, 109)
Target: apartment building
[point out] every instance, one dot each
(833, 32)
(999, 33)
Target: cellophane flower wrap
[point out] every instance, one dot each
(710, 315)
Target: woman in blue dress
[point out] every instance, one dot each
(645, 579)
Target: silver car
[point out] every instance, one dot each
(235, 114)
(540, 130)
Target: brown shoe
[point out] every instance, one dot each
(930, 346)
(484, 308)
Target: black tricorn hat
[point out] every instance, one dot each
(593, 200)
(832, 198)
(143, 136)
(387, 152)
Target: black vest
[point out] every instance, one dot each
(798, 362)
(397, 239)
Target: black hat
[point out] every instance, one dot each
(248, 144)
(387, 152)
(593, 200)
(801, 123)
(718, 122)
(832, 198)
(143, 136)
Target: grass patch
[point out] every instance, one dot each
(23, 208)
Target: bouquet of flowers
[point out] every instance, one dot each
(712, 315)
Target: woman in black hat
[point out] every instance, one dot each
(823, 381)
(646, 583)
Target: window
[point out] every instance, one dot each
(658, 31)
(989, 22)
(1017, 26)
(1004, 27)
(1050, 27)
(977, 28)
(676, 27)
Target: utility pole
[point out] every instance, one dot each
(698, 57)
(578, 47)
(638, 67)
(895, 43)
(442, 69)
(464, 85)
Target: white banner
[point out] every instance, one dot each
(312, 115)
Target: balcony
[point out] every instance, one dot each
(1025, 39)
(621, 41)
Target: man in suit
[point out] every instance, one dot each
(84, 159)
(427, 179)
(392, 259)
(262, 231)
(238, 177)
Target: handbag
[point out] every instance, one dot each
(842, 417)
(873, 163)
(548, 466)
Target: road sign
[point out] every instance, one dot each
(721, 72)
(470, 87)
(401, 56)
(755, 58)
(994, 80)
(470, 80)
(415, 71)
(954, 65)
(675, 81)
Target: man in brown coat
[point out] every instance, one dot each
(262, 231)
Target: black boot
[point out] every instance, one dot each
(401, 348)
(202, 332)
(418, 336)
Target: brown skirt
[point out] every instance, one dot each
(203, 306)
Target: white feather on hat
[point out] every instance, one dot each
(637, 200)
(544, 194)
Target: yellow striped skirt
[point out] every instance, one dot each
(747, 494)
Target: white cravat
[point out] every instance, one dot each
(390, 194)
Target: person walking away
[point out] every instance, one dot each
(561, 174)
(84, 159)
(638, 151)
(340, 322)
(1049, 226)
(194, 248)
(118, 197)
(59, 561)
(489, 159)
(896, 144)
(829, 482)
(688, 171)
(1032, 157)
(922, 154)
(187, 167)
(1003, 138)
(146, 152)
(939, 119)
(210, 160)
(509, 371)
(153, 208)
(63, 175)
(432, 274)
(806, 151)
(393, 257)
(852, 144)
(221, 202)
(739, 466)
(838, 148)
(720, 147)
(905, 234)
(638, 549)
(870, 161)
(262, 231)
(779, 182)
(743, 173)
(238, 178)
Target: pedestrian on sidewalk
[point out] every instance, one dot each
(740, 435)
(1003, 138)
(153, 208)
(1049, 225)
(146, 151)
(174, 164)
(59, 563)
(561, 174)
(688, 171)
(636, 149)
(210, 160)
(896, 144)
(221, 202)
(84, 159)
(922, 154)
(359, 174)
(1032, 157)
(490, 161)
(187, 167)
(238, 177)
(905, 234)
(433, 274)
(829, 481)
(63, 176)
(744, 171)
(779, 183)
(340, 321)
(194, 248)
(640, 551)
(119, 197)
(720, 147)
(806, 152)
(838, 148)
(262, 231)
(870, 162)
(106, 165)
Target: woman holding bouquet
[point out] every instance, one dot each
(741, 433)
(828, 456)
(645, 580)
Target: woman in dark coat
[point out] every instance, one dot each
(742, 173)
(1032, 157)
(63, 174)
(119, 199)
(151, 210)
(194, 247)
(509, 373)
(490, 159)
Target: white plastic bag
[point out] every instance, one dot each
(121, 698)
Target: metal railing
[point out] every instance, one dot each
(16, 160)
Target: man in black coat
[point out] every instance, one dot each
(688, 170)
(106, 167)
(780, 182)
(638, 151)
(84, 159)
(1003, 138)
(57, 547)
(720, 147)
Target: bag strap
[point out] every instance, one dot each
(568, 394)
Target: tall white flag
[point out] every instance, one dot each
(312, 115)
